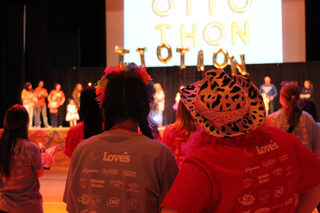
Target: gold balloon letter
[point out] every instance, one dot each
(141, 52)
(159, 48)
(226, 58)
(243, 35)
(182, 53)
(239, 9)
(210, 7)
(121, 53)
(184, 35)
(200, 65)
(163, 28)
(159, 12)
(222, 33)
(235, 66)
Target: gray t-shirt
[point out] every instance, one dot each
(20, 193)
(307, 130)
(119, 172)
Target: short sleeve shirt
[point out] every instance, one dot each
(259, 174)
(119, 172)
(74, 136)
(307, 130)
(20, 193)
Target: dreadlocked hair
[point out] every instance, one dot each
(290, 92)
(127, 97)
(90, 112)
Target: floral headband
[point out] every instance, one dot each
(131, 67)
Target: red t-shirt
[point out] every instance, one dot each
(177, 141)
(261, 173)
(41, 94)
(74, 136)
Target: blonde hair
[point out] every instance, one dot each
(184, 119)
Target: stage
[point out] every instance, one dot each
(51, 137)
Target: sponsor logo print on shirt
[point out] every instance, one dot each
(116, 183)
(124, 158)
(246, 199)
(128, 173)
(283, 158)
(267, 148)
(97, 183)
(263, 210)
(87, 171)
(278, 171)
(84, 199)
(264, 196)
(133, 187)
(113, 202)
(251, 169)
(269, 163)
(132, 204)
(247, 183)
(279, 191)
(263, 178)
(107, 172)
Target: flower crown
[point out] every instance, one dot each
(131, 67)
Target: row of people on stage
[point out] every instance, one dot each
(269, 93)
(223, 154)
(36, 105)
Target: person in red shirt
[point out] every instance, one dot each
(237, 162)
(41, 106)
(56, 99)
(177, 135)
(91, 123)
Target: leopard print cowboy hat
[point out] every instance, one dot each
(224, 106)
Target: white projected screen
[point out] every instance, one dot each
(250, 27)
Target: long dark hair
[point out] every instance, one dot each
(290, 92)
(15, 125)
(127, 97)
(90, 112)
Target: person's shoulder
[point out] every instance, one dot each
(29, 145)
(275, 114)
(77, 127)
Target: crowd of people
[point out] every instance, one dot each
(36, 101)
(224, 153)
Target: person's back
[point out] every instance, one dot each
(20, 165)
(238, 163)
(260, 172)
(21, 191)
(306, 129)
(120, 172)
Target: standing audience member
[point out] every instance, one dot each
(177, 135)
(28, 100)
(121, 170)
(56, 99)
(307, 91)
(310, 107)
(72, 114)
(20, 165)
(290, 118)
(41, 106)
(91, 124)
(241, 164)
(269, 92)
(76, 93)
